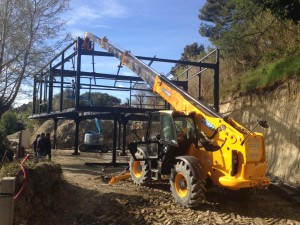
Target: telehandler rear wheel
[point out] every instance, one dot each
(82, 148)
(104, 149)
(139, 171)
(186, 189)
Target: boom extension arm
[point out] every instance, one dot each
(207, 119)
(149, 75)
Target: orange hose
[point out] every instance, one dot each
(24, 180)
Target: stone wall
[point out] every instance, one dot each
(280, 106)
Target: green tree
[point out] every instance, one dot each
(23, 112)
(30, 32)
(192, 51)
(217, 18)
(10, 123)
(4, 144)
(246, 33)
(99, 99)
(282, 9)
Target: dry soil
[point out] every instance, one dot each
(89, 199)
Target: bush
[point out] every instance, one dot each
(4, 144)
(269, 74)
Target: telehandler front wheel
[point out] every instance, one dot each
(186, 189)
(139, 171)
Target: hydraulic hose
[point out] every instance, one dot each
(24, 179)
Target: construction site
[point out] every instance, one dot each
(189, 161)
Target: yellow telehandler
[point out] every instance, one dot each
(193, 144)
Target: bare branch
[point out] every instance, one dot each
(28, 30)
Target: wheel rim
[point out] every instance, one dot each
(181, 185)
(137, 169)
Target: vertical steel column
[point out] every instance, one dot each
(200, 83)
(130, 94)
(124, 136)
(50, 92)
(61, 97)
(34, 96)
(216, 83)
(119, 134)
(55, 133)
(41, 93)
(45, 86)
(114, 152)
(77, 122)
(77, 91)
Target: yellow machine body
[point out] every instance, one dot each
(218, 165)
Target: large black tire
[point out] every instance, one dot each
(104, 148)
(82, 148)
(140, 171)
(187, 190)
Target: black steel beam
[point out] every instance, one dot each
(55, 133)
(206, 65)
(124, 123)
(114, 151)
(78, 73)
(65, 60)
(61, 83)
(113, 109)
(55, 57)
(70, 73)
(77, 123)
(152, 59)
(96, 53)
(216, 84)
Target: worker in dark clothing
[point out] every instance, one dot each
(48, 145)
(73, 83)
(40, 146)
(34, 143)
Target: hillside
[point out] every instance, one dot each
(279, 104)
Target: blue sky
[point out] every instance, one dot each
(145, 27)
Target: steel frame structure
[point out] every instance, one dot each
(54, 76)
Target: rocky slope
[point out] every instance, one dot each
(279, 104)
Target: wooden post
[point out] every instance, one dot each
(6, 200)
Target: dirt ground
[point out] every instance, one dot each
(91, 200)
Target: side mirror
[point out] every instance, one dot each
(263, 123)
(136, 126)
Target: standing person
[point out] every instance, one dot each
(73, 87)
(34, 143)
(40, 146)
(48, 145)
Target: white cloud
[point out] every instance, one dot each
(77, 32)
(94, 10)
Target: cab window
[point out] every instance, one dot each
(154, 130)
(168, 132)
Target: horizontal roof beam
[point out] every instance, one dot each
(70, 73)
